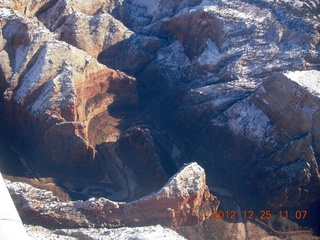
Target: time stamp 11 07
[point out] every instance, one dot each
(261, 215)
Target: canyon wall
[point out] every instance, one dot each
(239, 79)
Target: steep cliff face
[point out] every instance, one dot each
(277, 121)
(214, 76)
(55, 92)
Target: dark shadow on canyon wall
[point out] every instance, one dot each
(138, 163)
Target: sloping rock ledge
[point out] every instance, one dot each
(184, 200)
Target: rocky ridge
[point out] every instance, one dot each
(152, 232)
(238, 77)
(184, 200)
(60, 96)
(224, 62)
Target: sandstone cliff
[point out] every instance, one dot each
(56, 93)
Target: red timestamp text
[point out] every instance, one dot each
(298, 214)
(261, 215)
(227, 214)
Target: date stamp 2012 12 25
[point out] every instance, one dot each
(261, 215)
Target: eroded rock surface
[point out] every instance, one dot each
(55, 92)
(224, 63)
(184, 200)
(150, 232)
(239, 78)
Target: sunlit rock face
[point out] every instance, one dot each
(278, 120)
(150, 232)
(239, 78)
(224, 63)
(54, 91)
(184, 200)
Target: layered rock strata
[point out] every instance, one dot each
(184, 200)
(56, 93)
(224, 63)
(210, 71)
(279, 122)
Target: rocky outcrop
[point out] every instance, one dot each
(149, 232)
(92, 33)
(56, 93)
(214, 77)
(88, 26)
(277, 121)
(236, 78)
(28, 8)
(184, 200)
(141, 161)
(73, 107)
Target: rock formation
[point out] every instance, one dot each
(239, 79)
(277, 119)
(57, 93)
(184, 200)
(150, 232)
(224, 64)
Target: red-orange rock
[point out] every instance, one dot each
(184, 200)
(53, 91)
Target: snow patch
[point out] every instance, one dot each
(211, 55)
(30, 80)
(246, 119)
(137, 233)
(295, 3)
(151, 6)
(173, 61)
(58, 92)
(310, 80)
(20, 56)
(142, 233)
(6, 12)
(245, 12)
(190, 179)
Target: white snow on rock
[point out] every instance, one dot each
(62, 87)
(310, 80)
(137, 233)
(190, 179)
(30, 79)
(6, 12)
(295, 3)
(246, 119)
(184, 183)
(21, 55)
(241, 10)
(211, 55)
(142, 233)
(173, 61)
